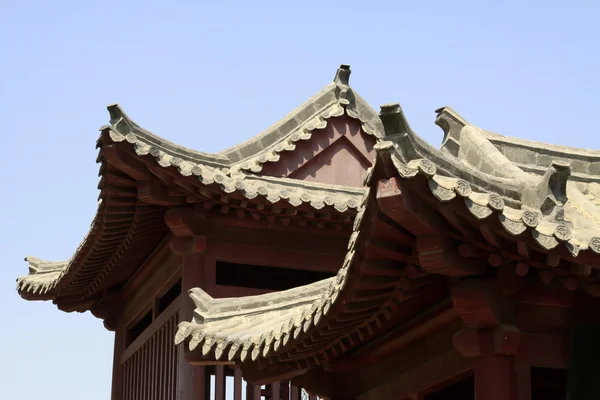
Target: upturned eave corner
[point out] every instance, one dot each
(238, 329)
(260, 327)
(41, 280)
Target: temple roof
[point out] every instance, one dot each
(542, 196)
(469, 190)
(131, 157)
(518, 201)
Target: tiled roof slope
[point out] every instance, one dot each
(42, 275)
(231, 171)
(468, 166)
(540, 194)
(334, 100)
(258, 325)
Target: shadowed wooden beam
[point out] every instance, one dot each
(544, 350)
(436, 253)
(480, 303)
(126, 162)
(154, 193)
(422, 377)
(255, 375)
(186, 221)
(547, 350)
(545, 295)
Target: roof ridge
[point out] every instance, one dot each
(121, 123)
(335, 100)
(547, 230)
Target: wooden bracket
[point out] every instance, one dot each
(151, 192)
(481, 304)
(506, 340)
(186, 221)
(125, 162)
(467, 342)
(187, 245)
(436, 253)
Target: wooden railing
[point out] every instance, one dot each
(150, 362)
(224, 383)
(150, 369)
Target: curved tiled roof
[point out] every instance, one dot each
(230, 171)
(549, 204)
(467, 167)
(232, 179)
(336, 99)
(42, 275)
(259, 325)
(548, 231)
(527, 196)
(222, 326)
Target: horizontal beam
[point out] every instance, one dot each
(548, 351)
(434, 372)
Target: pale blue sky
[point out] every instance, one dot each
(208, 77)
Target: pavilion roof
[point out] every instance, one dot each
(513, 201)
(494, 191)
(137, 168)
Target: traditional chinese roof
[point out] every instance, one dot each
(466, 209)
(141, 174)
(535, 188)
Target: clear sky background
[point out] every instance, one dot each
(208, 76)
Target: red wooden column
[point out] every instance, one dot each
(523, 376)
(117, 373)
(187, 225)
(495, 377)
(482, 306)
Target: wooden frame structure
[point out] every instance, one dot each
(339, 252)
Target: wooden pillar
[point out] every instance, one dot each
(191, 379)
(117, 372)
(237, 384)
(187, 225)
(584, 363)
(523, 376)
(483, 307)
(495, 377)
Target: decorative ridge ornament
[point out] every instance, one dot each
(483, 205)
